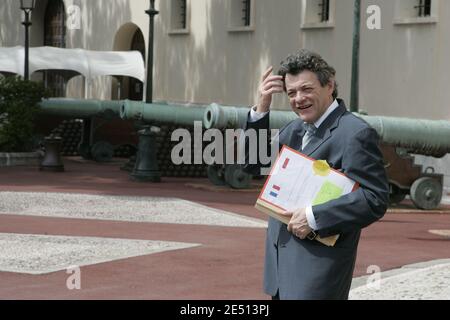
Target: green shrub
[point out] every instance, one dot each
(18, 109)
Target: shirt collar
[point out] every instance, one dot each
(330, 109)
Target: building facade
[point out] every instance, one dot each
(216, 50)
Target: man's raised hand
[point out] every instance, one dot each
(270, 84)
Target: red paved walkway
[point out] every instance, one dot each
(229, 263)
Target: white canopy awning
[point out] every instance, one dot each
(88, 63)
(12, 60)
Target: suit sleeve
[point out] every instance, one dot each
(263, 123)
(363, 162)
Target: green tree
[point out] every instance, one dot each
(18, 109)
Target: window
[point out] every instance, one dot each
(324, 10)
(246, 12)
(183, 14)
(424, 8)
(179, 16)
(416, 11)
(317, 14)
(241, 15)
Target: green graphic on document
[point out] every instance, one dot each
(329, 191)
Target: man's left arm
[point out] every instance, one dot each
(362, 162)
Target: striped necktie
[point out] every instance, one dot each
(310, 131)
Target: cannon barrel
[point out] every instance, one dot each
(425, 137)
(160, 112)
(76, 108)
(221, 117)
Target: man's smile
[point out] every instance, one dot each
(304, 107)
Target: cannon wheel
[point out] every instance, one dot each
(236, 177)
(426, 193)
(102, 151)
(216, 175)
(396, 195)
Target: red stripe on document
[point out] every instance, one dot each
(276, 187)
(286, 162)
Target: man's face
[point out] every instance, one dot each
(307, 97)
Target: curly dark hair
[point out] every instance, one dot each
(311, 61)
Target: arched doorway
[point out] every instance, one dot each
(55, 36)
(129, 37)
(136, 87)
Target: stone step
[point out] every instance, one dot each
(20, 159)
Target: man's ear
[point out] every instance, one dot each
(331, 85)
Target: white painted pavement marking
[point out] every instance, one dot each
(39, 254)
(427, 283)
(121, 208)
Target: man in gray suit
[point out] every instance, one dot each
(296, 267)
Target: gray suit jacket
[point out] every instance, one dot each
(305, 269)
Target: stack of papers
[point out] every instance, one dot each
(297, 181)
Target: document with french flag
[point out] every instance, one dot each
(297, 181)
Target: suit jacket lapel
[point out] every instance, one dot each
(324, 131)
(294, 139)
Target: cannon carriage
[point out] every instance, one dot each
(94, 113)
